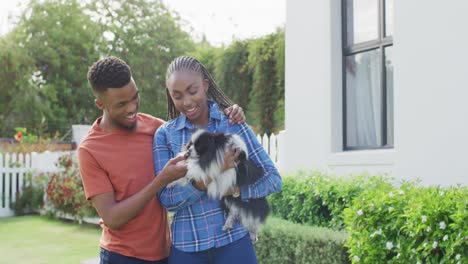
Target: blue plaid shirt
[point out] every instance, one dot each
(198, 220)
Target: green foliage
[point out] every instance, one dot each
(409, 224)
(280, 52)
(233, 73)
(65, 193)
(207, 54)
(31, 196)
(148, 37)
(265, 94)
(314, 198)
(62, 41)
(284, 242)
(45, 58)
(19, 95)
(23, 135)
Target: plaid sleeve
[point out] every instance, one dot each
(180, 196)
(271, 180)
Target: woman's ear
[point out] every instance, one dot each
(206, 85)
(99, 103)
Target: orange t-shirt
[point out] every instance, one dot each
(121, 161)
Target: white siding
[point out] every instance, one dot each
(430, 61)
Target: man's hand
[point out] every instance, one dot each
(117, 214)
(173, 170)
(235, 113)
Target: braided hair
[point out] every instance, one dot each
(189, 63)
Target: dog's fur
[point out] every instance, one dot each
(205, 159)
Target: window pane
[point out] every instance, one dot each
(389, 83)
(362, 20)
(388, 17)
(363, 100)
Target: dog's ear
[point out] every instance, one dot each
(220, 139)
(247, 172)
(202, 144)
(242, 156)
(205, 146)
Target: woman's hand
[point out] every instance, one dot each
(234, 192)
(230, 159)
(235, 113)
(201, 185)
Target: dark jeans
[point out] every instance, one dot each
(109, 257)
(240, 251)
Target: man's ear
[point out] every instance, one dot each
(99, 103)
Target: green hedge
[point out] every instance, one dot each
(284, 242)
(316, 199)
(409, 224)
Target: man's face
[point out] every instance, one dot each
(120, 107)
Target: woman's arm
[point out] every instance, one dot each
(271, 181)
(180, 196)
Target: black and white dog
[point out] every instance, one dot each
(205, 159)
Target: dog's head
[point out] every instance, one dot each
(207, 150)
(207, 147)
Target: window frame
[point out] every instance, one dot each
(379, 44)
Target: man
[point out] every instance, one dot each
(116, 166)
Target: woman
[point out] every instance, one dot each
(194, 101)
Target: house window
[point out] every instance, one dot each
(368, 74)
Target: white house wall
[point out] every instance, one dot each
(430, 92)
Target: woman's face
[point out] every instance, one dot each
(188, 92)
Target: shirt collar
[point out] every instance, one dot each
(215, 113)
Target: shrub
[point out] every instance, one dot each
(316, 199)
(409, 224)
(31, 196)
(284, 242)
(65, 193)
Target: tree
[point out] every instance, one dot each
(62, 41)
(279, 115)
(233, 74)
(264, 95)
(208, 55)
(15, 89)
(148, 36)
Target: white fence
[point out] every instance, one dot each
(13, 169)
(271, 145)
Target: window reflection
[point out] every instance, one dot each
(363, 100)
(362, 21)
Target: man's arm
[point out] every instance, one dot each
(99, 190)
(116, 214)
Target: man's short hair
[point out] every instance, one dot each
(109, 72)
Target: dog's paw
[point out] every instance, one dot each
(171, 185)
(253, 238)
(227, 227)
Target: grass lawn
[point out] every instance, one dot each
(38, 239)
